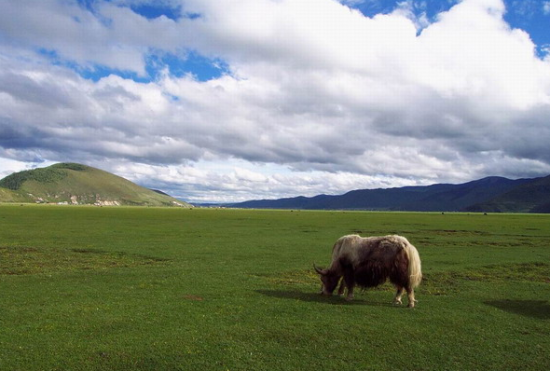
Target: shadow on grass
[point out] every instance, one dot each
(318, 298)
(539, 309)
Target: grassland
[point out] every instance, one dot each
(84, 288)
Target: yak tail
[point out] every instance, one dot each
(415, 267)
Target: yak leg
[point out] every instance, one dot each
(410, 296)
(349, 279)
(342, 287)
(398, 294)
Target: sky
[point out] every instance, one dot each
(233, 100)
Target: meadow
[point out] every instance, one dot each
(135, 288)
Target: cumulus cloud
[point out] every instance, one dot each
(314, 100)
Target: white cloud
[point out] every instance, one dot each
(318, 99)
(546, 7)
(237, 180)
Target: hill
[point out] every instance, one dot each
(495, 194)
(78, 184)
(7, 195)
(533, 196)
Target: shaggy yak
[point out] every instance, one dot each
(369, 262)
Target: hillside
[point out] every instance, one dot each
(7, 195)
(495, 194)
(531, 197)
(77, 184)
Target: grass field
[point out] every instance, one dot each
(84, 288)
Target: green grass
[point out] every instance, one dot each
(86, 288)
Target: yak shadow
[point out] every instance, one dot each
(539, 309)
(318, 298)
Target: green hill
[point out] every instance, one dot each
(7, 195)
(78, 184)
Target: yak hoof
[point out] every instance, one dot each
(397, 302)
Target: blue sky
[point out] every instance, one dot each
(230, 100)
(183, 62)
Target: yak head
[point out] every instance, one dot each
(329, 280)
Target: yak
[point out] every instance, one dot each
(369, 262)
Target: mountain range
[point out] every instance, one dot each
(76, 184)
(71, 183)
(491, 194)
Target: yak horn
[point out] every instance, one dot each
(319, 270)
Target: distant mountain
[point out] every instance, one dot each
(76, 184)
(495, 194)
(533, 196)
